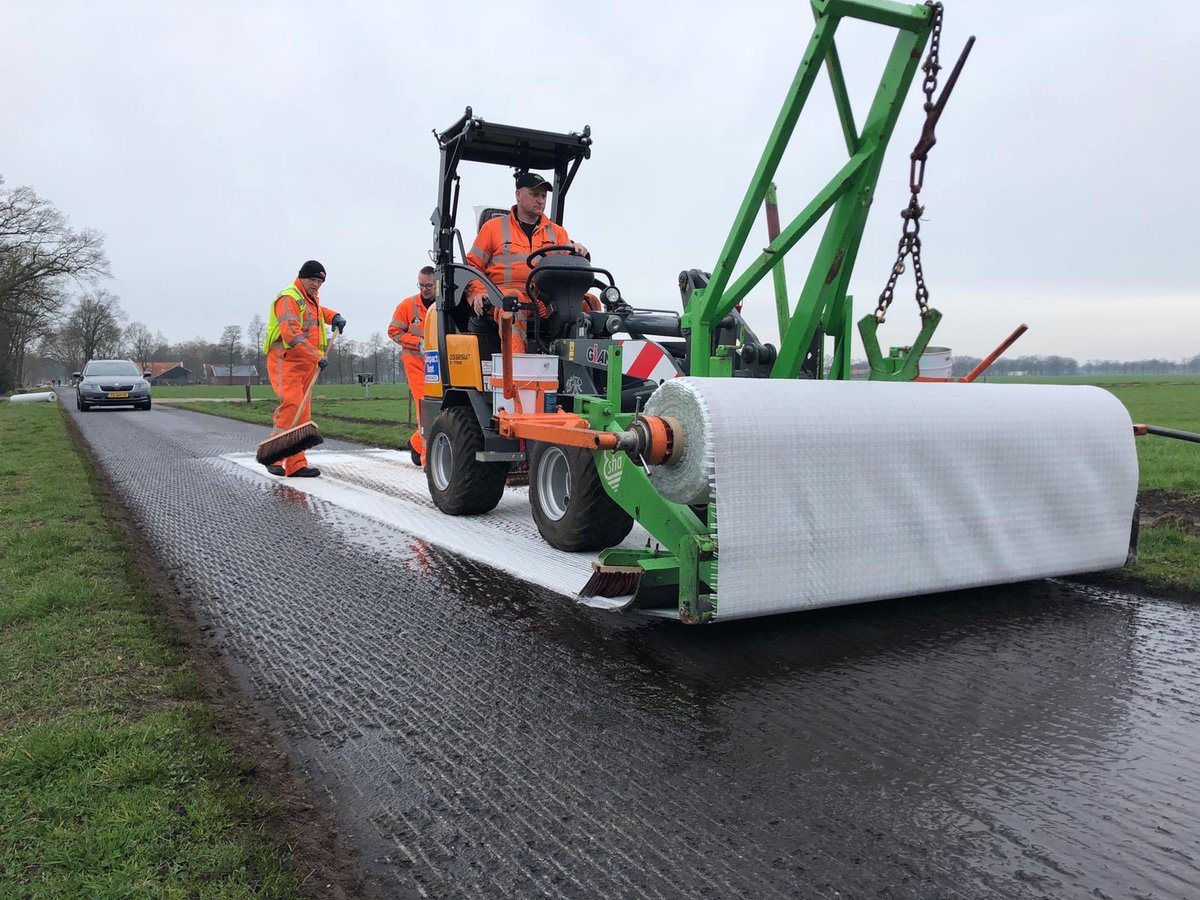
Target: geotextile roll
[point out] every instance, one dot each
(835, 492)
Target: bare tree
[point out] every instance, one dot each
(39, 254)
(141, 344)
(256, 334)
(231, 345)
(91, 331)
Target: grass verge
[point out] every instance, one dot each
(113, 780)
(375, 422)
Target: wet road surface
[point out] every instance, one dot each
(482, 738)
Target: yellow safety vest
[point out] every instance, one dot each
(273, 322)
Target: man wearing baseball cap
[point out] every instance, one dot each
(503, 244)
(295, 348)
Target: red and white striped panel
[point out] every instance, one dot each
(644, 359)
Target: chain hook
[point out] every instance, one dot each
(910, 241)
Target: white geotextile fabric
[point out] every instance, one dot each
(834, 492)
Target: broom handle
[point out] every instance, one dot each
(313, 383)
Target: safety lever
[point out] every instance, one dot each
(933, 112)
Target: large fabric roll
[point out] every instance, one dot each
(834, 492)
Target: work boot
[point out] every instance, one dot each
(416, 457)
(306, 472)
(276, 470)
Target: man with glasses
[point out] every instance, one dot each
(408, 330)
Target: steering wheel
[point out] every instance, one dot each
(549, 248)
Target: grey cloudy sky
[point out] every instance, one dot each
(218, 145)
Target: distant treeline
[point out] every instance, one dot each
(1065, 365)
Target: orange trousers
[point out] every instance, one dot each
(290, 376)
(414, 374)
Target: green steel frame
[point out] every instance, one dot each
(685, 558)
(846, 197)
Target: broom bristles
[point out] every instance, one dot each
(612, 581)
(288, 443)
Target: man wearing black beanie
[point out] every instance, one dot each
(295, 348)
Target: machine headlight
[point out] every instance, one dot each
(612, 296)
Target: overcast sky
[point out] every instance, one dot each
(219, 145)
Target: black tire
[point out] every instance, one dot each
(145, 405)
(81, 406)
(459, 484)
(572, 510)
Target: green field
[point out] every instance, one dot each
(113, 782)
(264, 392)
(385, 419)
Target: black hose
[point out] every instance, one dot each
(1172, 433)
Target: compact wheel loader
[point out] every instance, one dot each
(680, 418)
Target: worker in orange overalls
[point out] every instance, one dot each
(408, 330)
(295, 348)
(503, 244)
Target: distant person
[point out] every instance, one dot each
(295, 348)
(408, 330)
(503, 244)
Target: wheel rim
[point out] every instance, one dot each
(439, 457)
(554, 483)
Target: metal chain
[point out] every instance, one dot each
(910, 240)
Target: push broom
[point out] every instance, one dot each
(297, 438)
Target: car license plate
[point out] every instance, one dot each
(118, 395)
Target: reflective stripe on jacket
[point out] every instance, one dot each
(501, 248)
(408, 324)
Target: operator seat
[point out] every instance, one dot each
(483, 327)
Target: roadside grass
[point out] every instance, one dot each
(1166, 464)
(1167, 557)
(385, 418)
(383, 421)
(385, 391)
(112, 781)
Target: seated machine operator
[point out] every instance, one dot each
(502, 246)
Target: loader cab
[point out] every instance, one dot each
(459, 345)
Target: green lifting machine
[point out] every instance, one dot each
(682, 565)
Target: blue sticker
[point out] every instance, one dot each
(433, 367)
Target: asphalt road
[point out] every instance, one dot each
(482, 738)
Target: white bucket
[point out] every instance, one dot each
(531, 372)
(41, 396)
(936, 362)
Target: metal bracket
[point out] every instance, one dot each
(895, 367)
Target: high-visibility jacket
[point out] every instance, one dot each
(500, 250)
(297, 322)
(408, 324)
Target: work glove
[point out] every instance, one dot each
(339, 322)
(421, 346)
(322, 362)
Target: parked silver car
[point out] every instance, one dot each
(112, 382)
